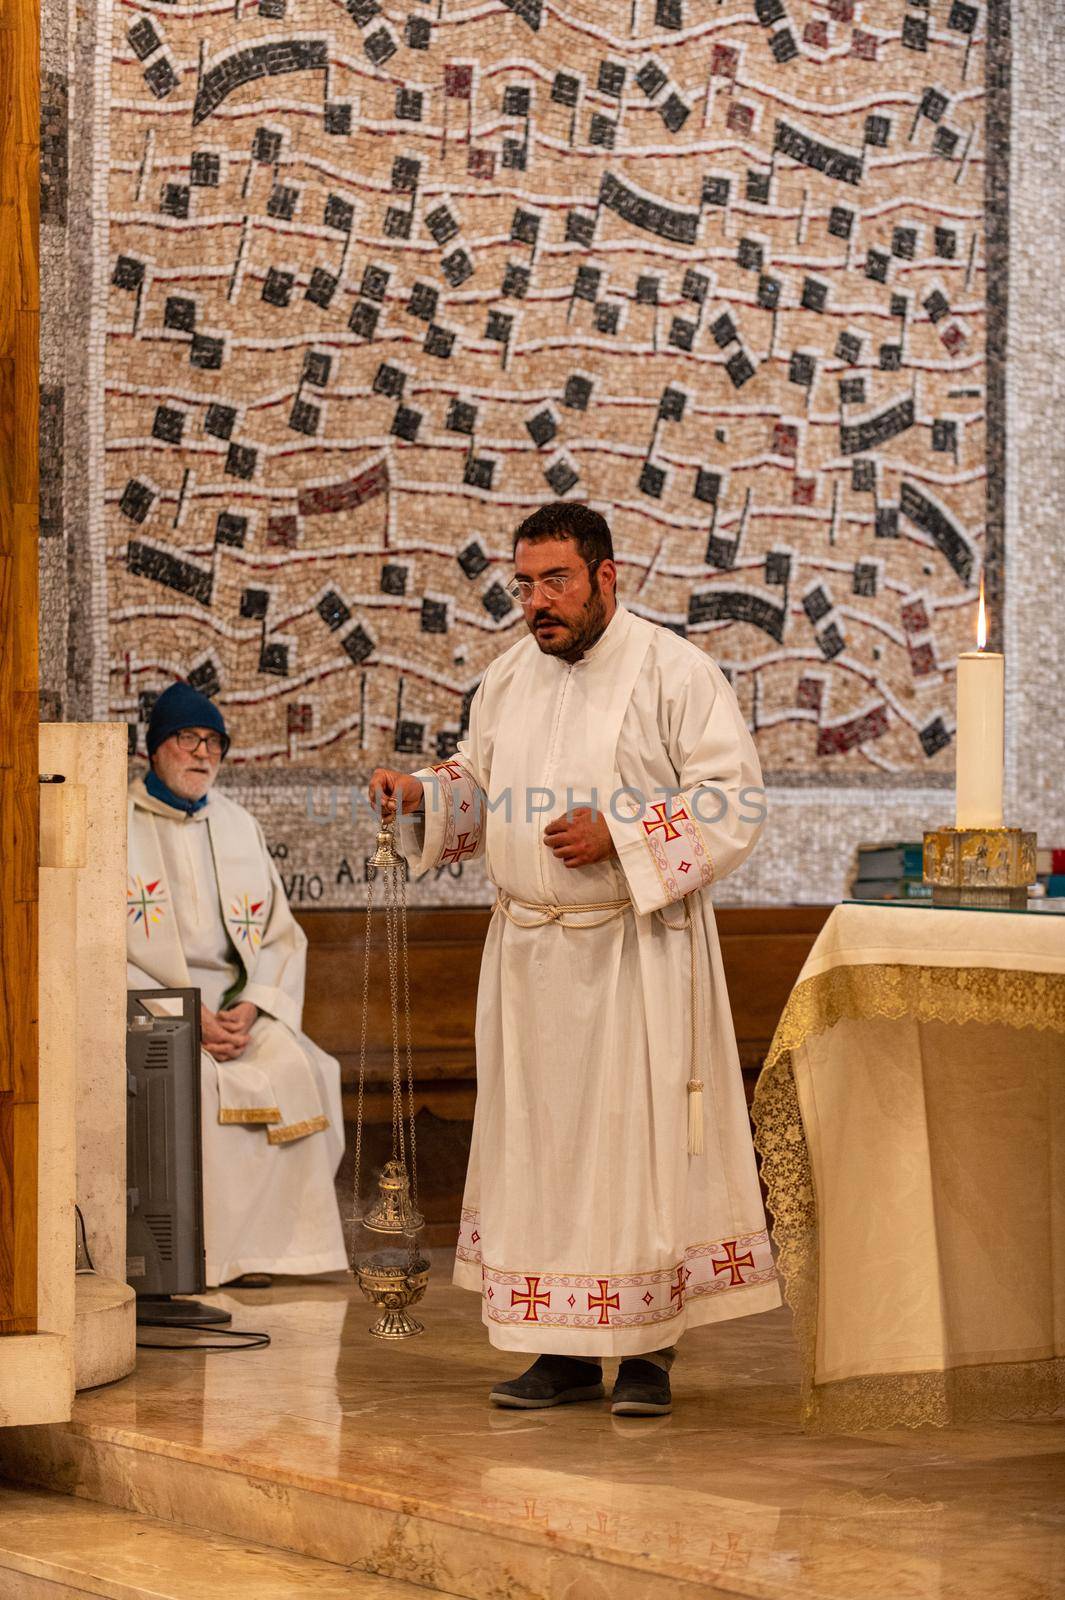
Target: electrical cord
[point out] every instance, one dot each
(84, 1244)
(250, 1340)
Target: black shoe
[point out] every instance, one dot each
(641, 1389)
(551, 1381)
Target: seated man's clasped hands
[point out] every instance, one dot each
(225, 1034)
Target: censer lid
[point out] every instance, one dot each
(391, 1210)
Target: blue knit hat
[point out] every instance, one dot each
(182, 706)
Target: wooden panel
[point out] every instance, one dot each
(763, 949)
(18, 1215)
(444, 957)
(18, 998)
(19, 190)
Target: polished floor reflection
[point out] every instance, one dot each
(727, 1493)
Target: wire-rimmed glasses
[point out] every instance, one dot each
(550, 587)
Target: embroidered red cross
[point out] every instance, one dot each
(603, 1304)
(531, 1299)
(452, 769)
(666, 821)
(676, 1291)
(732, 1263)
(733, 1552)
(461, 849)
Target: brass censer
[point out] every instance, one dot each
(391, 1276)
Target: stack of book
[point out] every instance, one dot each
(890, 872)
(894, 872)
(1050, 873)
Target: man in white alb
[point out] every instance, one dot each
(609, 779)
(206, 909)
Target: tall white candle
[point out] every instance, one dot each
(979, 742)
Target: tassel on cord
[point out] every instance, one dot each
(695, 1083)
(695, 1117)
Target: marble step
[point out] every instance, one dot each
(421, 1542)
(54, 1547)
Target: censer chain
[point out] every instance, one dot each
(392, 927)
(406, 1036)
(362, 1052)
(395, 909)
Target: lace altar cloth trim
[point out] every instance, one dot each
(928, 994)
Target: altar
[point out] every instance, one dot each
(911, 1122)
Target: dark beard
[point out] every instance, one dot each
(579, 636)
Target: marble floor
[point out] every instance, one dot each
(388, 1458)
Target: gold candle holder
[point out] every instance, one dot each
(988, 868)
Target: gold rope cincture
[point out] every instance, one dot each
(546, 913)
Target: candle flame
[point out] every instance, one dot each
(981, 619)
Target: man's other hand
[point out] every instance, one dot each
(224, 1044)
(580, 837)
(387, 786)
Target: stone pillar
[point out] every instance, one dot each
(1035, 402)
(37, 1369)
(92, 757)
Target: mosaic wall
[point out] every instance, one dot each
(374, 280)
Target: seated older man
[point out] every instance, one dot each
(207, 910)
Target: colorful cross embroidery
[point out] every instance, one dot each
(452, 769)
(461, 849)
(666, 821)
(531, 1299)
(676, 1291)
(602, 1304)
(732, 1263)
(144, 905)
(245, 922)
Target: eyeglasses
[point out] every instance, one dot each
(523, 588)
(188, 739)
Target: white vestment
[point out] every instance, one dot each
(587, 1228)
(206, 909)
